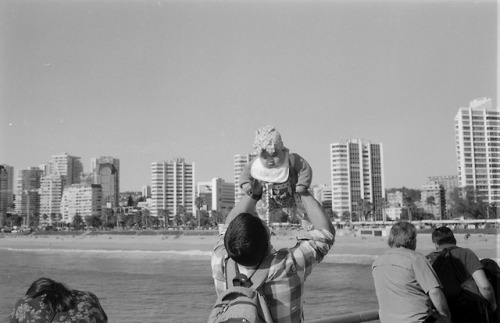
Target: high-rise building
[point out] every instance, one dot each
(240, 162)
(68, 167)
(172, 187)
(477, 132)
(82, 199)
(449, 183)
(217, 194)
(6, 190)
(51, 190)
(146, 191)
(433, 200)
(106, 172)
(357, 178)
(28, 197)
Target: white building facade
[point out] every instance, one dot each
(217, 194)
(68, 167)
(172, 187)
(51, 190)
(82, 199)
(477, 132)
(357, 174)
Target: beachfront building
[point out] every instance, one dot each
(172, 187)
(477, 132)
(6, 190)
(82, 199)
(321, 192)
(68, 167)
(450, 183)
(433, 200)
(240, 161)
(51, 190)
(357, 179)
(106, 172)
(217, 195)
(146, 191)
(28, 197)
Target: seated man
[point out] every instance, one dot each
(405, 282)
(466, 287)
(246, 240)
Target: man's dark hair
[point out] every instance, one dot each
(443, 235)
(247, 240)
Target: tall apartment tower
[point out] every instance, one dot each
(82, 199)
(68, 167)
(106, 172)
(6, 190)
(217, 194)
(51, 190)
(477, 132)
(357, 173)
(240, 162)
(28, 197)
(172, 186)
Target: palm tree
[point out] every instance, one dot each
(145, 216)
(409, 205)
(430, 200)
(199, 203)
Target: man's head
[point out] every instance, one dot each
(443, 235)
(247, 240)
(403, 235)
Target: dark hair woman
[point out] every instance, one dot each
(49, 301)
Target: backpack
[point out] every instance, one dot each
(459, 288)
(450, 271)
(242, 301)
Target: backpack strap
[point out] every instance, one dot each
(257, 278)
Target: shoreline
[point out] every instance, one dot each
(484, 245)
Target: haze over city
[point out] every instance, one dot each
(146, 81)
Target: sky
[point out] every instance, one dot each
(149, 81)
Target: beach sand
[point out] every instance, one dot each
(484, 245)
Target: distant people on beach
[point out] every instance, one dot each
(468, 292)
(49, 301)
(283, 174)
(245, 245)
(407, 288)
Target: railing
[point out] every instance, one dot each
(350, 318)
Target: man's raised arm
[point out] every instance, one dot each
(315, 213)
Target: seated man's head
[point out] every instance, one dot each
(443, 235)
(403, 235)
(247, 240)
(269, 147)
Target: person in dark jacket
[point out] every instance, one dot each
(49, 301)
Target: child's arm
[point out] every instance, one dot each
(246, 179)
(304, 172)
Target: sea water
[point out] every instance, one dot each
(169, 286)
